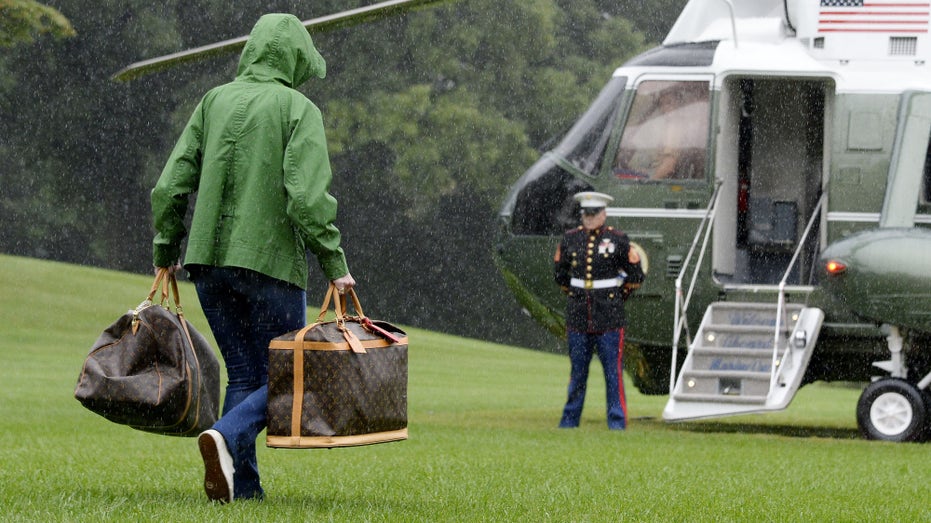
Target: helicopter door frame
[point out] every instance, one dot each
(772, 156)
(658, 213)
(909, 169)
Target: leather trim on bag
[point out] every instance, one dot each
(329, 345)
(309, 442)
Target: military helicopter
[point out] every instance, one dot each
(770, 161)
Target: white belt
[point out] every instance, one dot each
(595, 284)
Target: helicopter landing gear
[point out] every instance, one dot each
(895, 365)
(893, 409)
(648, 367)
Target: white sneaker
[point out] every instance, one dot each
(218, 466)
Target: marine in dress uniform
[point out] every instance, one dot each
(597, 269)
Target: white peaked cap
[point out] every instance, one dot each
(594, 200)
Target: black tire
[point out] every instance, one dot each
(648, 366)
(892, 409)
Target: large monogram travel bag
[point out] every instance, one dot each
(338, 383)
(152, 370)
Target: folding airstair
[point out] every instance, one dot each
(740, 363)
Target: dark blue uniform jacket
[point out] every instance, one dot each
(586, 259)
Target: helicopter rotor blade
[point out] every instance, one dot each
(321, 24)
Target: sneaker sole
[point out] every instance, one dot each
(215, 484)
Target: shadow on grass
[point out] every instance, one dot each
(786, 430)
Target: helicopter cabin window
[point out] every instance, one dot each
(666, 133)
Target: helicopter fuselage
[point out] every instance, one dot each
(800, 147)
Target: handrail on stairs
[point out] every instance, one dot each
(781, 311)
(682, 303)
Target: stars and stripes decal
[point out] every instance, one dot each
(874, 16)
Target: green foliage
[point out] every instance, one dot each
(439, 144)
(431, 116)
(653, 18)
(75, 192)
(22, 21)
(483, 441)
(494, 79)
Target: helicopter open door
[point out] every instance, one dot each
(751, 354)
(770, 158)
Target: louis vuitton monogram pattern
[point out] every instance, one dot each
(156, 379)
(345, 393)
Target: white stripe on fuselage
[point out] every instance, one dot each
(697, 214)
(647, 212)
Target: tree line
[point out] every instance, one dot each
(430, 117)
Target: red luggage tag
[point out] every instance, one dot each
(375, 329)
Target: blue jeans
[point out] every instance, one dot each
(245, 310)
(610, 348)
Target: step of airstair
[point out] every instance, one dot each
(732, 357)
(729, 366)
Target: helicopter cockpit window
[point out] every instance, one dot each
(666, 135)
(584, 145)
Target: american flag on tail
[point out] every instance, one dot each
(874, 16)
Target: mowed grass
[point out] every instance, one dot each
(483, 440)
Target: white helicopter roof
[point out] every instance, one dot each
(865, 45)
(710, 20)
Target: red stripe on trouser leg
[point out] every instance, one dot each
(620, 373)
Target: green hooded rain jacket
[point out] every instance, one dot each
(255, 153)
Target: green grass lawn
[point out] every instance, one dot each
(483, 440)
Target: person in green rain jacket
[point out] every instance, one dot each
(255, 153)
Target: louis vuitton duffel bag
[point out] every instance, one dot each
(338, 383)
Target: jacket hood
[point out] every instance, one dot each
(280, 49)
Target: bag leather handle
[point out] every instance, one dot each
(326, 303)
(159, 276)
(168, 283)
(174, 289)
(339, 305)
